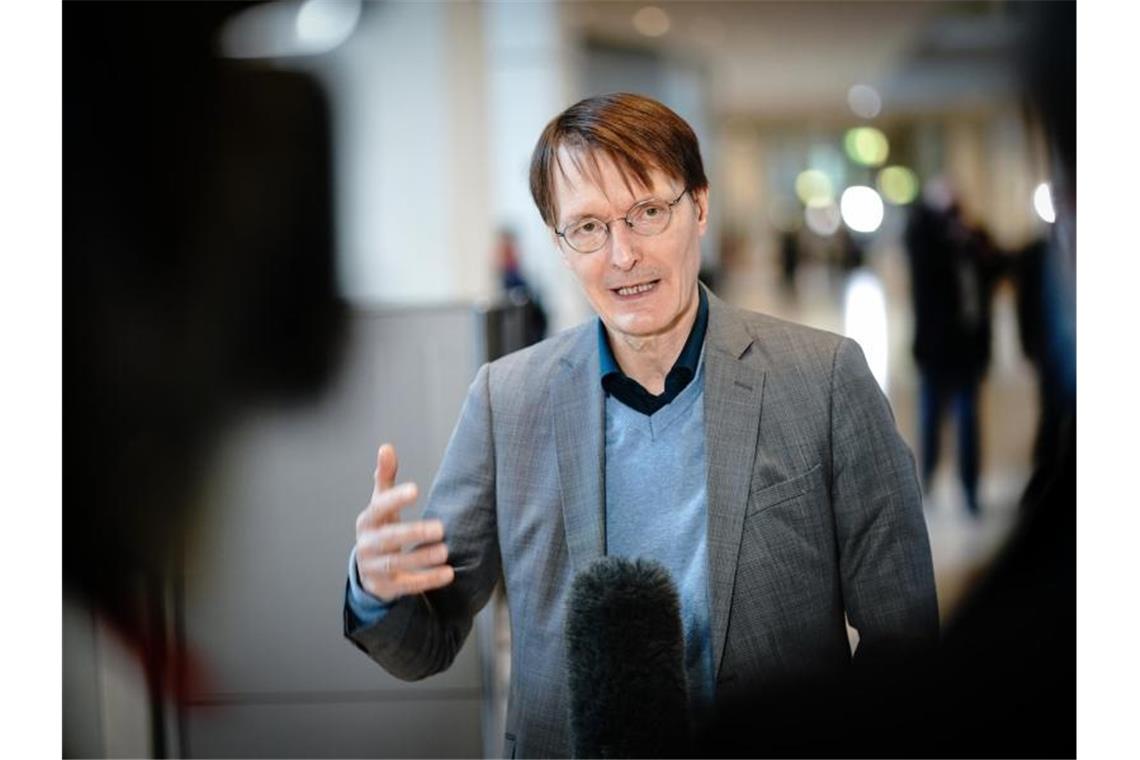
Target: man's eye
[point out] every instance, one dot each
(650, 213)
(588, 228)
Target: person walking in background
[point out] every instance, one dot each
(951, 283)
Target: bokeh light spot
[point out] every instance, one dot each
(861, 208)
(1043, 203)
(651, 21)
(898, 184)
(814, 188)
(324, 24)
(865, 321)
(867, 146)
(864, 101)
(823, 220)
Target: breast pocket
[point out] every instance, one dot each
(770, 495)
(787, 552)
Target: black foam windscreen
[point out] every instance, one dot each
(625, 662)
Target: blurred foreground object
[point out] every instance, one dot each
(198, 278)
(625, 661)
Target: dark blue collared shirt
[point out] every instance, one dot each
(630, 392)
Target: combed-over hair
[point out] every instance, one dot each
(638, 133)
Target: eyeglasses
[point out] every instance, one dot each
(647, 218)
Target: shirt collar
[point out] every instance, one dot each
(690, 354)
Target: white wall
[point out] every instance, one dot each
(410, 137)
(437, 107)
(528, 85)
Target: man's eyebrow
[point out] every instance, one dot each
(577, 217)
(571, 219)
(587, 209)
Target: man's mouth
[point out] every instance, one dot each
(634, 290)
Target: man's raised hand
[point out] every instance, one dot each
(395, 558)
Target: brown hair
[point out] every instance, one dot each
(637, 133)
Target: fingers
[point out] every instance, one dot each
(406, 583)
(397, 537)
(380, 576)
(386, 505)
(395, 559)
(387, 499)
(386, 465)
(423, 558)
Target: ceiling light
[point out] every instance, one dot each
(864, 101)
(651, 21)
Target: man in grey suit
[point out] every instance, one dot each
(756, 459)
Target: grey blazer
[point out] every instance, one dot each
(814, 511)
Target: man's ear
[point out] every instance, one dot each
(701, 202)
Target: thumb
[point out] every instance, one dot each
(386, 466)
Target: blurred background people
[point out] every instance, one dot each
(951, 274)
(516, 288)
(1045, 339)
(789, 260)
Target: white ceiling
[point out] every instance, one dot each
(779, 60)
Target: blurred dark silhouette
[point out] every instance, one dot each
(198, 277)
(1041, 343)
(851, 251)
(517, 290)
(789, 262)
(1008, 668)
(508, 255)
(952, 272)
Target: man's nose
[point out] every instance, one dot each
(623, 246)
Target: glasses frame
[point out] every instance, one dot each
(625, 218)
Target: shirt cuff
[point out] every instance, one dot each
(368, 609)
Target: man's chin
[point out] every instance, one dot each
(638, 327)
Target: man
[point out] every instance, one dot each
(756, 459)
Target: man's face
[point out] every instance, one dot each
(667, 263)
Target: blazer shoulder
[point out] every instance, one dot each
(790, 344)
(527, 371)
(811, 361)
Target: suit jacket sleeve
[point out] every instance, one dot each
(886, 571)
(421, 634)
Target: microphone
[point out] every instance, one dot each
(625, 662)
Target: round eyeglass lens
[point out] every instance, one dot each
(650, 218)
(587, 235)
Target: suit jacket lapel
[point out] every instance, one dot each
(578, 406)
(734, 390)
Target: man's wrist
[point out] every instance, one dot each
(366, 606)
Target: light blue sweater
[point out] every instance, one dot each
(657, 505)
(656, 501)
